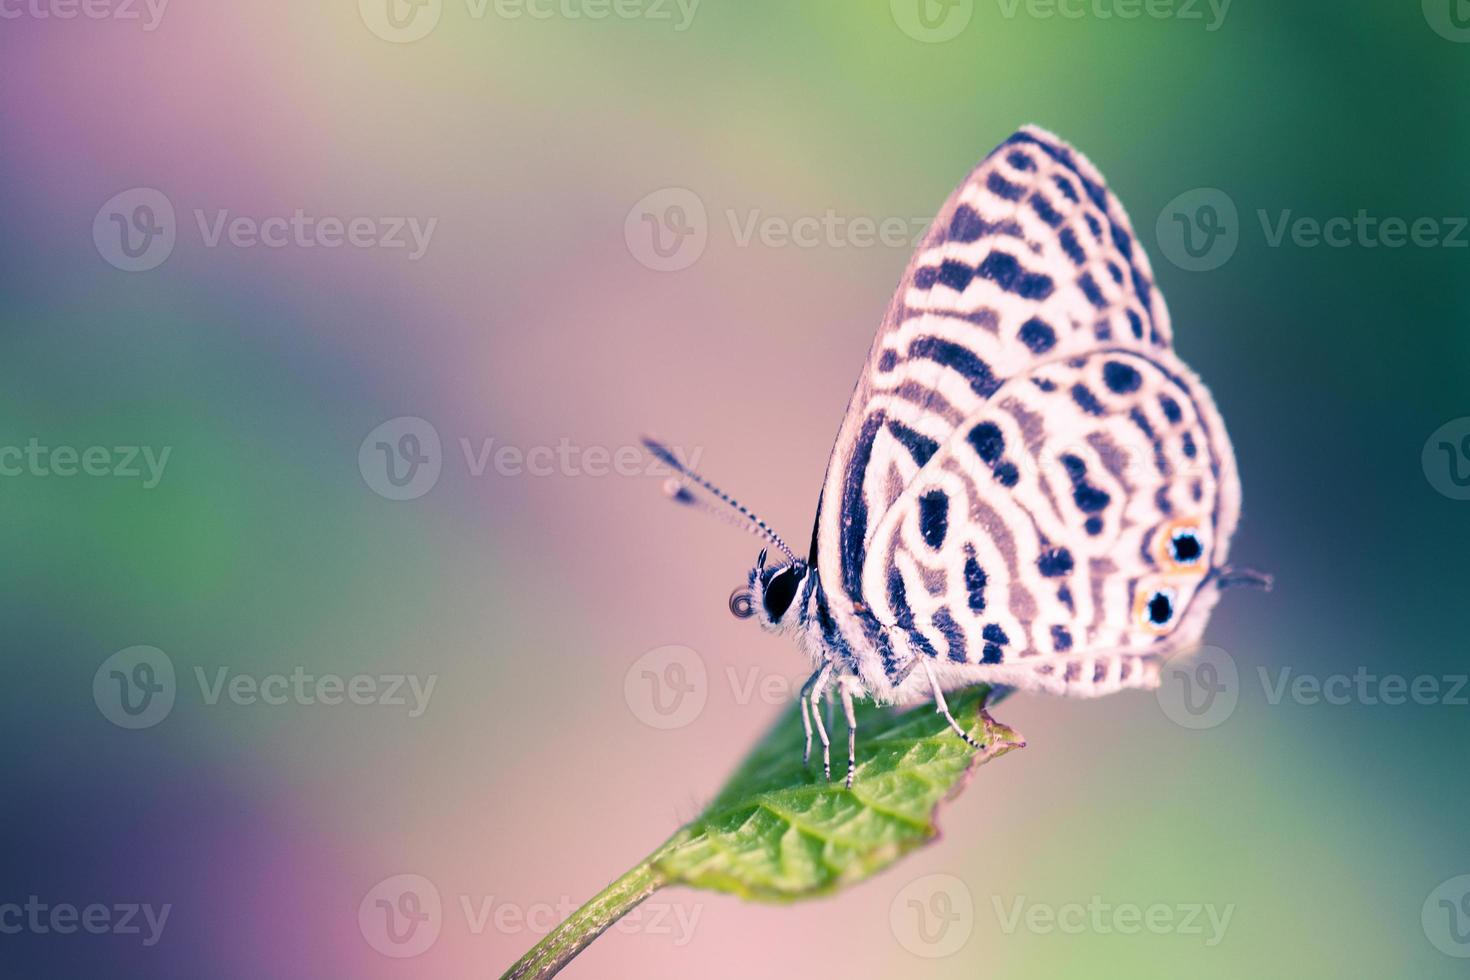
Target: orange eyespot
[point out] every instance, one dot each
(1156, 608)
(1180, 547)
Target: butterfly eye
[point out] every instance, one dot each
(779, 591)
(1157, 608)
(742, 606)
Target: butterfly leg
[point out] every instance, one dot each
(819, 691)
(851, 731)
(806, 719)
(940, 707)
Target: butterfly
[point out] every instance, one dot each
(1029, 488)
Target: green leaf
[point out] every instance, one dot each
(779, 831)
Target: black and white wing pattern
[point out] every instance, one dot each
(1019, 444)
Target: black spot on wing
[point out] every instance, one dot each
(1037, 335)
(1089, 289)
(1171, 408)
(1005, 271)
(1054, 562)
(954, 636)
(987, 441)
(934, 518)
(1088, 498)
(1003, 188)
(1061, 639)
(1044, 210)
(1006, 473)
(995, 634)
(966, 225)
(1086, 400)
(920, 446)
(1020, 160)
(959, 358)
(955, 275)
(1121, 378)
(974, 581)
(887, 360)
(1070, 245)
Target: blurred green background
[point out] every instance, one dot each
(540, 315)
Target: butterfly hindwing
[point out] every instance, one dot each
(1037, 530)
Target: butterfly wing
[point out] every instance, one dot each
(1030, 544)
(1031, 259)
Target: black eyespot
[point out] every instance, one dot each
(1160, 608)
(1185, 547)
(741, 604)
(779, 590)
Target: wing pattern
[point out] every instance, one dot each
(1030, 267)
(1033, 538)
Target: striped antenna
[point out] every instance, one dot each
(680, 493)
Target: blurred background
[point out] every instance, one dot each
(326, 333)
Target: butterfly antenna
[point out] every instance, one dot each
(681, 494)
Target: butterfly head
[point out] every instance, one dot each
(770, 593)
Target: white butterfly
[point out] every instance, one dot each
(1029, 488)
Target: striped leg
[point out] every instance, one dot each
(819, 691)
(851, 731)
(940, 707)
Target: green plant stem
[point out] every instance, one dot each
(555, 951)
